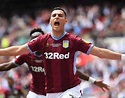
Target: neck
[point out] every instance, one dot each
(57, 33)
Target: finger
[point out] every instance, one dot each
(103, 89)
(106, 87)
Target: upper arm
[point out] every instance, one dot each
(95, 51)
(11, 65)
(99, 52)
(22, 50)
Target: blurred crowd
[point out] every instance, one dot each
(102, 25)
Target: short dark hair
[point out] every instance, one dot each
(59, 8)
(36, 30)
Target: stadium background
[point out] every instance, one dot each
(98, 21)
(9, 7)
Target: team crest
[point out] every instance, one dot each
(65, 44)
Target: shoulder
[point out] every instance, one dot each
(43, 37)
(73, 37)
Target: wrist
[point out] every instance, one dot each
(123, 57)
(92, 80)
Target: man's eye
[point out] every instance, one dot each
(53, 15)
(60, 15)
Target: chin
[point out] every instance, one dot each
(56, 29)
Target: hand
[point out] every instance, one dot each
(102, 85)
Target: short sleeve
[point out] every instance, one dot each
(33, 45)
(83, 46)
(19, 60)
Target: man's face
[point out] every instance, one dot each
(57, 20)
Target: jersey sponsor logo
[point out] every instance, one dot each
(38, 69)
(55, 45)
(65, 43)
(35, 60)
(56, 55)
(38, 61)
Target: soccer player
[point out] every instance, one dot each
(35, 65)
(59, 51)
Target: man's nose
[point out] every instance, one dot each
(57, 16)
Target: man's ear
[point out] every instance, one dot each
(66, 21)
(49, 22)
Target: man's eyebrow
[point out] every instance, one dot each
(58, 14)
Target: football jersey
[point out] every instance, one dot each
(59, 56)
(35, 65)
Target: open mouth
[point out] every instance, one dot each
(56, 24)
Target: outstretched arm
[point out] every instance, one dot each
(14, 50)
(7, 66)
(98, 83)
(107, 54)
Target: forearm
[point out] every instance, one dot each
(83, 76)
(10, 51)
(14, 50)
(86, 77)
(108, 54)
(105, 53)
(6, 66)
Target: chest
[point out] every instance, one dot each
(60, 46)
(32, 61)
(61, 49)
